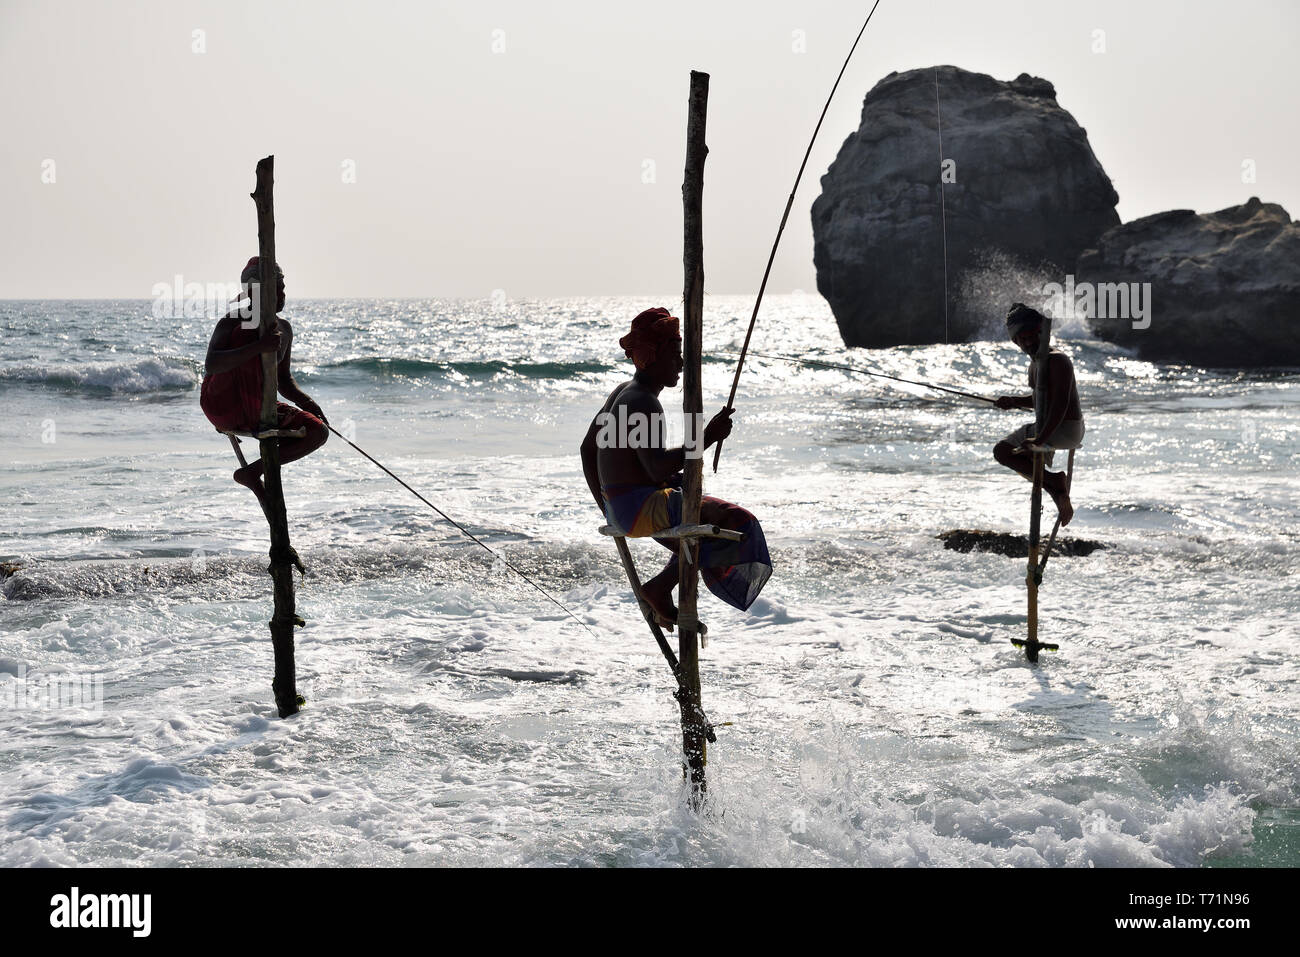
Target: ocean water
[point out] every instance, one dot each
(878, 713)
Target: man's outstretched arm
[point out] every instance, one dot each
(288, 385)
(661, 464)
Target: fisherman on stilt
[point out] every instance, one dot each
(231, 396)
(1062, 418)
(636, 481)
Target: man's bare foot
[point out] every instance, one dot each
(658, 594)
(250, 476)
(1064, 507)
(1055, 486)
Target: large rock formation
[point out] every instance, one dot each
(1027, 185)
(1224, 287)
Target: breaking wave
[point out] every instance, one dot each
(132, 377)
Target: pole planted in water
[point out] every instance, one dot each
(694, 745)
(283, 557)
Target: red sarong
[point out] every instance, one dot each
(233, 400)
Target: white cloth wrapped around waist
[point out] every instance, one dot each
(1068, 435)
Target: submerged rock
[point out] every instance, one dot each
(1025, 187)
(1013, 546)
(1224, 286)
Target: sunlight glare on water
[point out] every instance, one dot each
(879, 714)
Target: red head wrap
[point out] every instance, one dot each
(252, 271)
(650, 330)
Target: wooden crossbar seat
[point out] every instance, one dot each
(685, 531)
(234, 434)
(267, 434)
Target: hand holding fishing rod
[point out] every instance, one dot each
(735, 382)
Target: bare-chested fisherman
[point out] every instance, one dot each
(636, 481)
(231, 397)
(1062, 419)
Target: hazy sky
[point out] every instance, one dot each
(522, 170)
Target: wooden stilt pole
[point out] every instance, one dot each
(283, 558)
(1051, 539)
(1032, 573)
(694, 744)
(625, 555)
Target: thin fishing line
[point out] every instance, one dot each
(771, 257)
(466, 532)
(883, 375)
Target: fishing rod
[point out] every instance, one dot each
(882, 375)
(735, 382)
(466, 532)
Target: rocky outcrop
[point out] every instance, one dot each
(1224, 287)
(1013, 546)
(1026, 186)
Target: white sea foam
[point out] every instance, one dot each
(870, 707)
